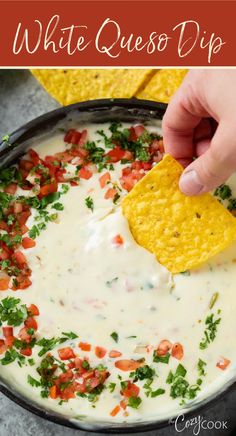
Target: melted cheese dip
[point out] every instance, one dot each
(83, 282)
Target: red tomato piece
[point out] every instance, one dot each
(53, 392)
(34, 157)
(26, 165)
(66, 353)
(26, 351)
(33, 310)
(100, 352)
(19, 258)
(31, 323)
(83, 138)
(115, 154)
(4, 283)
(4, 254)
(223, 363)
(115, 411)
(118, 240)
(163, 347)
(72, 136)
(104, 179)
(84, 173)
(47, 189)
(127, 365)
(85, 346)
(4, 226)
(24, 335)
(3, 347)
(9, 341)
(110, 194)
(131, 390)
(177, 351)
(28, 242)
(23, 216)
(23, 282)
(114, 353)
(11, 189)
(7, 331)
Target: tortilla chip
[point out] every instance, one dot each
(181, 231)
(74, 85)
(163, 85)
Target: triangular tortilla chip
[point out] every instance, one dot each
(74, 85)
(181, 231)
(162, 85)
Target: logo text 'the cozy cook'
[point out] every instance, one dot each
(108, 40)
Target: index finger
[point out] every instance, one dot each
(182, 116)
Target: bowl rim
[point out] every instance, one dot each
(18, 137)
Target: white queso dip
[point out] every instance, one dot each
(91, 325)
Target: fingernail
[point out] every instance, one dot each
(190, 184)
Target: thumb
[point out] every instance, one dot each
(213, 167)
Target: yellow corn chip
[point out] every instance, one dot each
(74, 85)
(162, 85)
(181, 231)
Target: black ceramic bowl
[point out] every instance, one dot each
(92, 111)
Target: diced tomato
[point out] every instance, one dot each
(28, 242)
(59, 175)
(7, 331)
(177, 351)
(66, 353)
(223, 363)
(22, 282)
(136, 132)
(31, 323)
(26, 351)
(18, 207)
(115, 411)
(4, 283)
(128, 365)
(9, 341)
(88, 374)
(71, 365)
(26, 165)
(72, 136)
(4, 254)
(104, 179)
(19, 258)
(3, 347)
(24, 229)
(24, 335)
(123, 403)
(128, 181)
(163, 347)
(80, 387)
(83, 138)
(64, 377)
(114, 353)
(115, 154)
(67, 393)
(33, 310)
(11, 189)
(110, 194)
(74, 183)
(100, 352)
(84, 173)
(34, 157)
(118, 240)
(131, 390)
(4, 226)
(23, 216)
(53, 392)
(85, 346)
(47, 189)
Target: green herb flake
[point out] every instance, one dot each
(115, 336)
(89, 203)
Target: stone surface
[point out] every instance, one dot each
(22, 99)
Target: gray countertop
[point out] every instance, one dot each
(22, 99)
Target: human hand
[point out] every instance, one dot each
(200, 122)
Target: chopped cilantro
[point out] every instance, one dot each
(58, 206)
(144, 372)
(114, 336)
(157, 392)
(161, 359)
(33, 382)
(12, 312)
(201, 367)
(210, 331)
(223, 191)
(111, 387)
(89, 203)
(70, 335)
(10, 356)
(134, 402)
